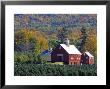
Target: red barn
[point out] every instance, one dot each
(87, 58)
(68, 54)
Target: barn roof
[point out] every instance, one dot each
(71, 49)
(90, 55)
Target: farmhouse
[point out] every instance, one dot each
(87, 58)
(66, 53)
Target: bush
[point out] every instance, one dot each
(21, 57)
(24, 69)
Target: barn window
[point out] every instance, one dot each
(59, 54)
(72, 58)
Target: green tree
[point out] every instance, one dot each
(53, 43)
(62, 34)
(83, 38)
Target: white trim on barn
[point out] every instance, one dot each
(59, 54)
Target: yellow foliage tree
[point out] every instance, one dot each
(91, 43)
(28, 37)
(74, 35)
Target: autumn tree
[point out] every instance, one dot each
(30, 41)
(74, 36)
(91, 43)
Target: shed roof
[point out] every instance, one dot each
(71, 49)
(90, 55)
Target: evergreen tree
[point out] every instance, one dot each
(83, 38)
(62, 34)
(52, 43)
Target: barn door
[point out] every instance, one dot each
(60, 57)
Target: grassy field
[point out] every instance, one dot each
(23, 69)
(57, 63)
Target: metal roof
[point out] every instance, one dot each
(90, 55)
(71, 49)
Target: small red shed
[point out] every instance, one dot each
(87, 58)
(68, 54)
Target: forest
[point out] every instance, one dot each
(36, 33)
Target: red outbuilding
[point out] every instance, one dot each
(87, 58)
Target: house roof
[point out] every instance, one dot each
(46, 52)
(90, 55)
(71, 49)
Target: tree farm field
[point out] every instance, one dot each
(55, 44)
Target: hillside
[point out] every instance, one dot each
(54, 21)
